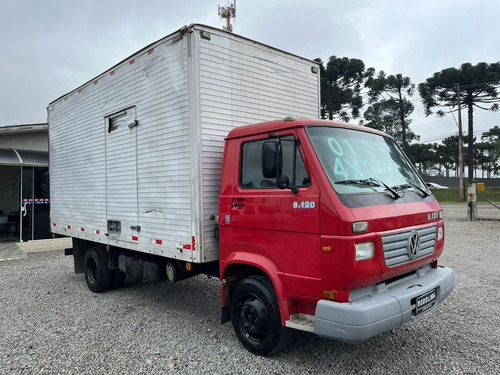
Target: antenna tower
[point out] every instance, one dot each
(228, 13)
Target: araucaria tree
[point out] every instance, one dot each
(390, 107)
(490, 148)
(478, 87)
(341, 83)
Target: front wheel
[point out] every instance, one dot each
(255, 316)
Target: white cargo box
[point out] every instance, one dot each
(136, 153)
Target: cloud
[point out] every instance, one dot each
(52, 47)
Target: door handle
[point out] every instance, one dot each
(237, 204)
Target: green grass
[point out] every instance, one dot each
(452, 195)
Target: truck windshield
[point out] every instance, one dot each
(361, 162)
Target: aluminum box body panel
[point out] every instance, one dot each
(142, 143)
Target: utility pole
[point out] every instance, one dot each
(460, 147)
(403, 122)
(228, 13)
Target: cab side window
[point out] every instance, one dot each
(252, 175)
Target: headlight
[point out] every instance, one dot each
(440, 233)
(365, 250)
(360, 227)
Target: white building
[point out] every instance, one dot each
(24, 183)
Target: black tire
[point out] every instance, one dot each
(97, 274)
(255, 316)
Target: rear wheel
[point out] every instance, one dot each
(255, 316)
(98, 276)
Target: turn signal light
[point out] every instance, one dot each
(329, 294)
(189, 267)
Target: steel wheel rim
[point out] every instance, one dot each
(254, 318)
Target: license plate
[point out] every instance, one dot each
(425, 301)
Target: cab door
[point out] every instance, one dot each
(281, 222)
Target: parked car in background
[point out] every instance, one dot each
(432, 185)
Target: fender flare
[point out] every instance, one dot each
(259, 258)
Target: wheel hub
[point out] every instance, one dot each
(254, 317)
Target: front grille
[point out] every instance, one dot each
(396, 245)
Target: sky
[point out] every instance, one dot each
(50, 47)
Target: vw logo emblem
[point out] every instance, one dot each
(413, 245)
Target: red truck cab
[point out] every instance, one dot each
(324, 227)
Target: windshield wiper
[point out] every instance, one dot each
(425, 193)
(371, 182)
(368, 181)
